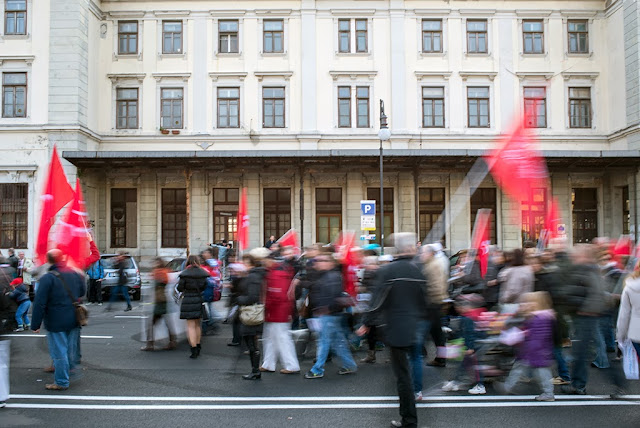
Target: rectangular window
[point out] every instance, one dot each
(273, 36)
(477, 36)
(225, 214)
(431, 35)
(228, 107)
(273, 108)
(535, 107)
(534, 211)
(533, 37)
(361, 35)
(14, 94)
(174, 218)
(578, 32)
(478, 107)
(344, 35)
(580, 107)
(15, 17)
(127, 108)
(328, 214)
(172, 101)
(228, 36)
(433, 107)
(14, 207)
(127, 38)
(485, 198)
(431, 206)
(626, 211)
(171, 37)
(362, 105)
(277, 212)
(124, 218)
(344, 107)
(585, 215)
(373, 194)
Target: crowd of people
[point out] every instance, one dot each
(542, 303)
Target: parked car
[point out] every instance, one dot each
(175, 266)
(111, 274)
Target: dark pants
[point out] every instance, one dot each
(120, 289)
(254, 354)
(437, 334)
(236, 325)
(400, 365)
(372, 338)
(585, 328)
(95, 291)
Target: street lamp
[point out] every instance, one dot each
(384, 134)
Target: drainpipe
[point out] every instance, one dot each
(301, 207)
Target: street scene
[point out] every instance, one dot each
(310, 213)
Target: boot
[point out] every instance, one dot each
(438, 362)
(194, 352)
(198, 348)
(149, 346)
(370, 358)
(255, 370)
(171, 345)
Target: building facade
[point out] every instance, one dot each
(165, 110)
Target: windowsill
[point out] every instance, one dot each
(433, 54)
(533, 54)
(353, 54)
(579, 54)
(16, 36)
(126, 131)
(479, 54)
(118, 56)
(177, 56)
(228, 54)
(273, 54)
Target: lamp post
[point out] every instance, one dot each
(384, 134)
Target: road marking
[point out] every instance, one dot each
(457, 398)
(44, 335)
(131, 316)
(313, 406)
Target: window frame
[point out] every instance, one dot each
(163, 88)
(227, 99)
(535, 102)
(169, 21)
(19, 206)
(278, 210)
(348, 99)
(284, 107)
(569, 33)
(137, 37)
(431, 208)
(485, 32)
(15, 12)
(488, 99)
(432, 32)
(231, 214)
(580, 102)
(113, 229)
(272, 32)
(331, 209)
(359, 32)
(533, 35)
(127, 101)
(485, 197)
(222, 34)
(528, 215)
(342, 32)
(583, 208)
(15, 86)
(444, 118)
(368, 101)
(165, 210)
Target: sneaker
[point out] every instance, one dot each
(559, 381)
(55, 387)
(100, 304)
(570, 389)
(128, 309)
(312, 375)
(89, 303)
(451, 386)
(477, 390)
(545, 397)
(285, 371)
(19, 329)
(345, 371)
(418, 396)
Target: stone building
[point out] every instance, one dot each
(166, 109)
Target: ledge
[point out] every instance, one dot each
(353, 12)
(353, 75)
(126, 76)
(161, 76)
(227, 12)
(286, 75)
(227, 75)
(171, 13)
(420, 75)
(273, 12)
(28, 59)
(522, 75)
(491, 75)
(580, 75)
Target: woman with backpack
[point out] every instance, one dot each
(193, 281)
(160, 279)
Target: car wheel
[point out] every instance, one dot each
(136, 294)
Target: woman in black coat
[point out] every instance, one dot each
(249, 293)
(193, 281)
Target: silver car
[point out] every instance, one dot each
(111, 274)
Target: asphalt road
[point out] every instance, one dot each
(123, 387)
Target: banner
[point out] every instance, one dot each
(243, 222)
(480, 239)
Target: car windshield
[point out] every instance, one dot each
(110, 262)
(175, 265)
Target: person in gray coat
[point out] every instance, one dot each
(193, 281)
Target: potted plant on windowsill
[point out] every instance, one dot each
(175, 131)
(164, 131)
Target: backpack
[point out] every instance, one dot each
(213, 291)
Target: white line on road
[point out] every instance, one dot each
(313, 406)
(131, 316)
(44, 335)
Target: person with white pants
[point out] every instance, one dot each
(276, 338)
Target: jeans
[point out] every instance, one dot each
(422, 329)
(331, 337)
(21, 314)
(62, 348)
(400, 365)
(585, 328)
(563, 370)
(602, 333)
(542, 375)
(120, 289)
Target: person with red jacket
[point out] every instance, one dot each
(276, 339)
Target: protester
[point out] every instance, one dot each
(437, 277)
(59, 288)
(494, 267)
(516, 279)
(629, 316)
(237, 271)
(160, 279)
(10, 307)
(270, 242)
(193, 281)
(96, 276)
(121, 287)
(14, 262)
(20, 294)
(369, 287)
(26, 265)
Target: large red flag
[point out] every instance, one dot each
(552, 219)
(516, 165)
(243, 222)
(56, 194)
(71, 232)
(480, 240)
(346, 246)
(290, 239)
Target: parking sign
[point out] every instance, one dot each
(368, 208)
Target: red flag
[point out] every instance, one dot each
(243, 222)
(55, 195)
(71, 233)
(349, 263)
(290, 239)
(480, 240)
(552, 219)
(516, 165)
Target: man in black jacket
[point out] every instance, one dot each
(121, 288)
(402, 301)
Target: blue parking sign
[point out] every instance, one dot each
(368, 207)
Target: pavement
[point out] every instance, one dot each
(120, 386)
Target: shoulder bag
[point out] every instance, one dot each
(82, 314)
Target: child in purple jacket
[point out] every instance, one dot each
(535, 354)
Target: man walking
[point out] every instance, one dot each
(402, 302)
(96, 275)
(121, 288)
(59, 288)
